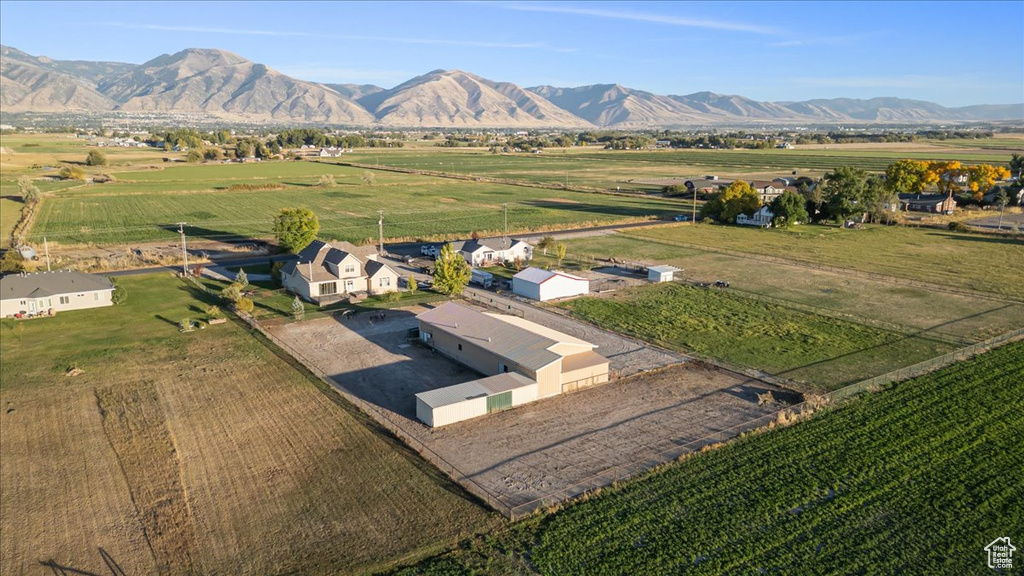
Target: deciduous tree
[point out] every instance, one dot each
(844, 192)
(451, 272)
(296, 228)
(738, 198)
(96, 158)
(789, 208)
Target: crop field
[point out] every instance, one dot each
(782, 341)
(960, 317)
(592, 166)
(914, 479)
(415, 206)
(966, 261)
(197, 453)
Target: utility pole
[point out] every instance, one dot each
(380, 232)
(694, 220)
(184, 252)
(46, 247)
(505, 205)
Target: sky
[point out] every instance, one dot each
(952, 53)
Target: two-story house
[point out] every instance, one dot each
(322, 273)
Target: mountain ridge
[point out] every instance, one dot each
(226, 85)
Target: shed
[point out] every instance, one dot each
(452, 404)
(663, 273)
(543, 285)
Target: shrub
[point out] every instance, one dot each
(958, 227)
(72, 173)
(96, 158)
(232, 293)
(213, 311)
(120, 295)
(392, 296)
(244, 305)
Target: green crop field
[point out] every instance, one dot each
(970, 261)
(143, 206)
(916, 479)
(802, 346)
(198, 453)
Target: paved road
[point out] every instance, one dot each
(992, 222)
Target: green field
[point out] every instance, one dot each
(968, 261)
(913, 480)
(801, 346)
(143, 206)
(201, 452)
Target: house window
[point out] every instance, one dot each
(328, 288)
(350, 268)
(96, 296)
(385, 281)
(460, 347)
(65, 299)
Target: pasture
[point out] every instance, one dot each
(914, 479)
(201, 452)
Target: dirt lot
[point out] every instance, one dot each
(542, 448)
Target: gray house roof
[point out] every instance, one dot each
(319, 254)
(57, 283)
(520, 341)
(496, 244)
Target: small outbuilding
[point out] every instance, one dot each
(662, 273)
(460, 402)
(543, 285)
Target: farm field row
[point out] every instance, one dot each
(966, 261)
(918, 478)
(959, 317)
(414, 207)
(801, 346)
(197, 453)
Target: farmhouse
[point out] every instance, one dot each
(763, 218)
(938, 203)
(768, 191)
(43, 292)
(706, 185)
(524, 361)
(544, 285)
(323, 273)
(491, 251)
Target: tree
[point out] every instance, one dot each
(1017, 166)
(909, 176)
(186, 325)
(296, 228)
(12, 262)
(789, 208)
(546, 242)
(843, 191)
(243, 149)
(369, 178)
(213, 154)
(326, 181)
(411, 284)
(981, 178)
(29, 191)
(96, 158)
(451, 273)
(560, 250)
(194, 155)
(232, 293)
(738, 198)
(1002, 199)
(119, 295)
(72, 173)
(241, 278)
(244, 305)
(298, 309)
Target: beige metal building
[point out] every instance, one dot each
(496, 344)
(41, 292)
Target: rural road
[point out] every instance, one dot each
(404, 249)
(992, 222)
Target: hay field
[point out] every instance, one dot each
(197, 453)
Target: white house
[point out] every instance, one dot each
(41, 292)
(763, 218)
(493, 251)
(543, 285)
(322, 273)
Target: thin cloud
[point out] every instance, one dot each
(848, 40)
(285, 33)
(874, 81)
(318, 72)
(645, 17)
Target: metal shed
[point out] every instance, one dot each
(662, 273)
(476, 398)
(543, 285)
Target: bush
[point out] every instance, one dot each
(232, 293)
(244, 305)
(958, 227)
(96, 158)
(393, 296)
(72, 173)
(120, 295)
(213, 311)
(194, 155)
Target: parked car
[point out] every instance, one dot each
(431, 250)
(682, 218)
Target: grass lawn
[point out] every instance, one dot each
(201, 452)
(972, 261)
(916, 479)
(823, 351)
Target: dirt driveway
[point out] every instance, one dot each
(548, 449)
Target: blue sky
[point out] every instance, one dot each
(952, 53)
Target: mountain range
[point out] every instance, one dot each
(224, 85)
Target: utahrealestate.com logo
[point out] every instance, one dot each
(1000, 553)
